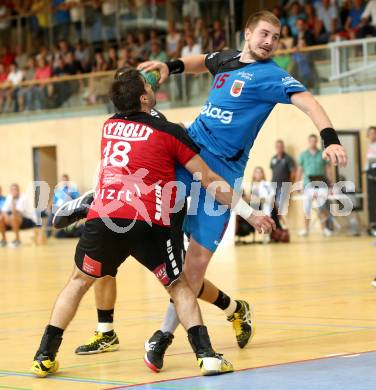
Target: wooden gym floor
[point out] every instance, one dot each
(312, 298)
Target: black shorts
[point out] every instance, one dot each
(102, 249)
(26, 223)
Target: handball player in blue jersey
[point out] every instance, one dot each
(246, 87)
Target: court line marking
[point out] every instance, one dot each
(15, 388)
(70, 379)
(352, 354)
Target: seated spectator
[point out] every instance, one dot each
(354, 19)
(98, 85)
(262, 192)
(303, 33)
(82, 52)
(202, 36)
(36, 96)
(3, 89)
(15, 77)
(191, 47)
(156, 54)
(327, 12)
(173, 41)
(2, 198)
(283, 60)
(64, 192)
(368, 23)
(24, 93)
(17, 213)
(313, 22)
(112, 58)
(126, 58)
(286, 37)
(218, 36)
(294, 13)
(141, 51)
(303, 68)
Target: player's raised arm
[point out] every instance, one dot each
(333, 151)
(189, 64)
(223, 193)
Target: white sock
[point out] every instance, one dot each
(171, 320)
(104, 327)
(230, 310)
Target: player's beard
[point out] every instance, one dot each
(254, 56)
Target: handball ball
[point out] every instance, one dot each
(152, 78)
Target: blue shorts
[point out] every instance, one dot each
(207, 220)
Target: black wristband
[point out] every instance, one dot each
(175, 66)
(329, 137)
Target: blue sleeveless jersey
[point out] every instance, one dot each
(241, 98)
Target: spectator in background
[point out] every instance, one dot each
(368, 24)
(61, 19)
(371, 150)
(76, 17)
(3, 84)
(354, 19)
(294, 13)
(17, 213)
(262, 192)
(303, 33)
(286, 37)
(173, 41)
(15, 77)
(93, 20)
(7, 56)
(190, 47)
(112, 58)
(202, 36)
(304, 68)
(24, 93)
(141, 52)
(328, 14)
(82, 52)
(36, 96)
(5, 13)
(64, 192)
(284, 60)
(277, 11)
(218, 36)
(283, 171)
(40, 22)
(21, 56)
(314, 24)
(312, 167)
(156, 54)
(108, 8)
(126, 58)
(2, 198)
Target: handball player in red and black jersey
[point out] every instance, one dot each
(130, 216)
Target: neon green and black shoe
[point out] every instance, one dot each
(242, 324)
(43, 365)
(213, 364)
(100, 342)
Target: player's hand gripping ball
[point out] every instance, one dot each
(152, 78)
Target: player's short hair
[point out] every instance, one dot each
(265, 16)
(126, 89)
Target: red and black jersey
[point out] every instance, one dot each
(138, 157)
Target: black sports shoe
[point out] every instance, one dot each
(73, 211)
(156, 348)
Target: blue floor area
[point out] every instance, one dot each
(338, 373)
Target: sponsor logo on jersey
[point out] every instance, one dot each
(126, 131)
(237, 87)
(291, 82)
(161, 273)
(245, 75)
(211, 111)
